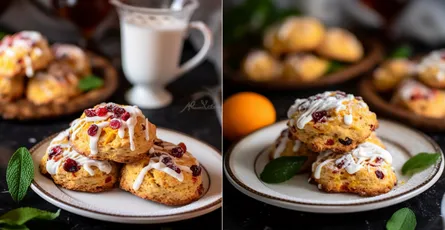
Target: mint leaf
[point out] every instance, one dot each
(403, 219)
(19, 173)
(404, 51)
(282, 169)
(90, 82)
(20, 216)
(335, 66)
(419, 163)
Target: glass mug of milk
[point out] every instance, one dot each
(152, 36)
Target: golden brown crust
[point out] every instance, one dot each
(261, 66)
(391, 73)
(340, 45)
(304, 67)
(11, 88)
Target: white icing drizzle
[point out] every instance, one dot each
(53, 166)
(347, 119)
(28, 66)
(410, 88)
(155, 163)
(434, 59)
(62, 51)
(325, 101)
(129, 124)
(281, 146)
(297, 145)
(356, 159)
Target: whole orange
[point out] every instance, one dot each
(246, 112)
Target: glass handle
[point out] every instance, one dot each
(199, 57)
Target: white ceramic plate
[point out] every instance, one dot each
(246, 160)
(120, 206)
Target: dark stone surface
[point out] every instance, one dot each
(201, 124)
(242, 212)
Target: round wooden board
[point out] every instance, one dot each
(375, 101)
(374, 54)
(23, 109)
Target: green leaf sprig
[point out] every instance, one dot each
(90, 82)
(335, 66)
(403, 219)
(419, 163)
(282, 169)
(19, 173)
(404, 51)
(18, 217)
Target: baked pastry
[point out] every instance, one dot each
(391, 73)
(74, 57)
(285, 146)
(304, 67)
(57, 84)
(301, 33)
(420, 99)
(261, 66)
(11, 88)
(23, 53)
(431, 69)
(366, 170)
(340, 45)
(168, 174)
(73, 171)
(272, 42)
(331, 121)
(113, 132)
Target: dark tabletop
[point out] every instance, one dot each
(243, 212)
(201, 124)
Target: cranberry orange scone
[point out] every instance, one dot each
(365, 170)
(431, 69)
(73, 171)
(331, 121)
(74, 57)
(168, 174)
(285, 146)
(23, 53)
(420, 99)
(113, 132)
(11, 88)
(57, 84)
(340, 45)
(391, 73)
(261, 66)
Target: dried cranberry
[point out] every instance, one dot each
(379, 174)
(110, 107)
(92, 130)
(330, 142)
(341, 164)
(101, 112)
(317, 116)
(378, 160)
(346, 141)
(143, 127)
(108, 179)
(118, 111)
(341, 93)
(372, 127)
(125, 116)
(174, 168)
(57, 150)
(89, 113)
(155, 154)
(182, 145)
(359, 98)
(177, 152)
(167, 161)
(115, 124)
(196, 170)
(70, 165)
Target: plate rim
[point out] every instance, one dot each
(125, 218)
(331, 208)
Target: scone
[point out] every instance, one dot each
(300, 34)
(331, 121)
(340, 45)
(74, 57)
(113, 132)
(431, 69)
(168, 174)
(272, 42)
(366, 170)
(23, 53)
(391, 73)
(420, 99)
(73, 171)
(57, 85)
(11, 88)
(261, 66)
(304, 67)
(285, 146)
